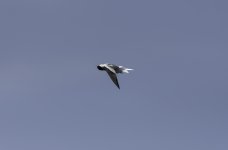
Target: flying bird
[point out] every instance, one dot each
(113, 70)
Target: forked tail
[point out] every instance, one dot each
(125, 70)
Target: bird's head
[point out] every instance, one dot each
(99, 67)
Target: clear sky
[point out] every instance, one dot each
(52, 97)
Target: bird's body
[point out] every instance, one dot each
(113, 70)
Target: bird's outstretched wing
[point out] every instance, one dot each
(113, 77)
(109, 68)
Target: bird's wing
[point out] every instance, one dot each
(113, 77)
(109, 68)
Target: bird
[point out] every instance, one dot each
(113, 70)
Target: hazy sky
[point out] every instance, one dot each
(52, 97)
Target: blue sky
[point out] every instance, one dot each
(53, 97)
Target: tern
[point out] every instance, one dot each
(113, 70)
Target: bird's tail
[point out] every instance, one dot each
(125, 70)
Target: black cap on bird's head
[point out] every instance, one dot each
(99, 67)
